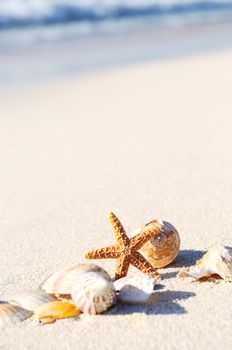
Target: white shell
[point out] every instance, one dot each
(62, 281)
(10, 314)
(93, 293)
(218, 260)
(135, 290)
(31, 299)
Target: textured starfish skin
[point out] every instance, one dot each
(126, 249)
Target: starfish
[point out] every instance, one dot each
(126, 249)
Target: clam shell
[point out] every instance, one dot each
(162, 249)
(31, 299)
(135, 290)
(55, 310)
(93, 293)
(218, 260)
(10, 314)
(62, 281)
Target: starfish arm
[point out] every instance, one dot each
(104, 253)
(122, 267)
(120, 234)
(143, 265)
(145, 235)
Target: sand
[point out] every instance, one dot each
(146, 141)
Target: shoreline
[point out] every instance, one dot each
(42, 63)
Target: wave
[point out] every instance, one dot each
(15, 13)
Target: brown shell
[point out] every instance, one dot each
(163, 248)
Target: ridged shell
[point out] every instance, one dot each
(135, 290)
(93, 293)
(218, 260)
(55, 310)
(62, 281)
(163, 248)
(31, 299)
(10, 314)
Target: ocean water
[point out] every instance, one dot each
(30, 21)
(51, 39)
(30, 12)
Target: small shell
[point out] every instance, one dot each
(135, 290)
(55, 310)
(31, 299)
(162, 249)
(93, 293)
(62, 281)
(218, 260)
(10, 314)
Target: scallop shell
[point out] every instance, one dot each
(135, 290)
(62, 281)
(93, 293)
(55, 310)
(218, 260)
(10, 314)
(162, 249)
(31, 299)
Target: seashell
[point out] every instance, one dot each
(31, 299)
(135, 290)
(93, 293)
(218, 260)
(62, 281)
(55, 310)
(10, 314)
(162, 249)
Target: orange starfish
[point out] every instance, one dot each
(126, 249)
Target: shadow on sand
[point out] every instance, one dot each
(162, 303)
(168, 275)
(187, 257)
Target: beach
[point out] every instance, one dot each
(29, 63)
(148, 140)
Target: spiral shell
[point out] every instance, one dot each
(93, 293)
(62, 281)
(162, 249)
(31, 299)
(217, 261)
(10, 314)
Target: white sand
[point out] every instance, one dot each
(146, 141)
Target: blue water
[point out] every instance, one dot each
(21, 13)
(41, 39)
(32, 21)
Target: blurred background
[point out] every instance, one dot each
(41, 39)
(124, 106)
